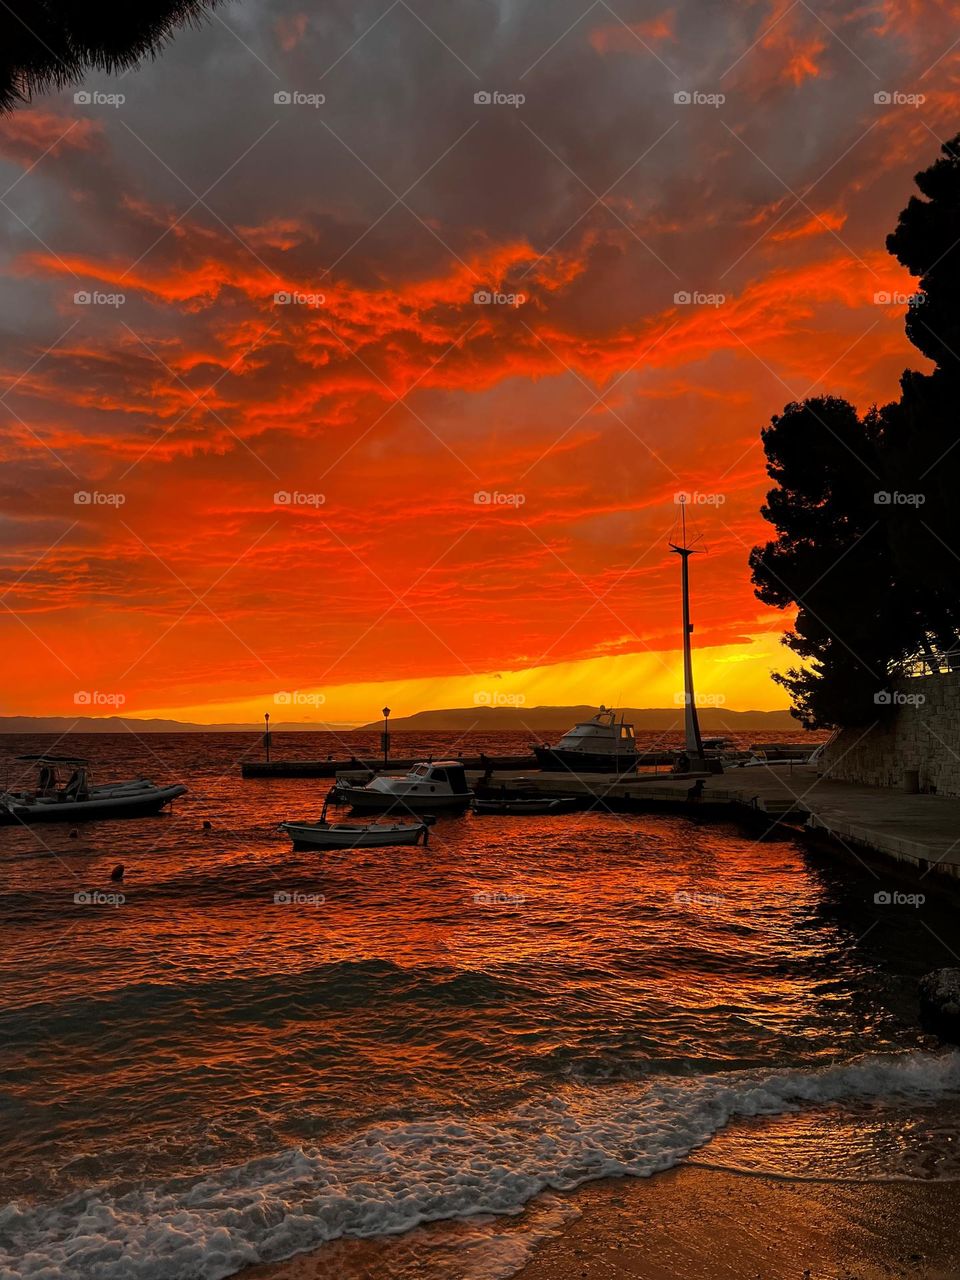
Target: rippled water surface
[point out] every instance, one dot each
(273, 1049)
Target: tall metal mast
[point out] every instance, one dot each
(693, 743)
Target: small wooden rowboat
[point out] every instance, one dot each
(352, 835)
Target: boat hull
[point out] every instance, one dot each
(311, 835)
(562, 804)
(140, 803)
(363, 800)
(558, 759)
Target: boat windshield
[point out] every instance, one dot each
(61, 775)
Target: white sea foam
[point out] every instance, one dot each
(391, 1178)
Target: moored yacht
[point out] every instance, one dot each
(427, 787)
(601, 745)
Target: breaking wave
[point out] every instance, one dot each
(390, 1178)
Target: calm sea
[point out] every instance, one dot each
(243, 1052)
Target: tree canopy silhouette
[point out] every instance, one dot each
(832, 559)
(867, 511)
(922, 431)
(926, 243)
(52, 44)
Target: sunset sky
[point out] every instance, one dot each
(282, 493)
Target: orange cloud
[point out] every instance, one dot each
(290, 30)
(815, 224)
(789, 46)
(619, 37)
(26, 135)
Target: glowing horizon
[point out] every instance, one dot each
(656, 676)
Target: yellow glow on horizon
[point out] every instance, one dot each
(734, 676)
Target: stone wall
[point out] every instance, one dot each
(922, 733)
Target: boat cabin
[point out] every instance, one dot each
(601, 734)
(449, 773)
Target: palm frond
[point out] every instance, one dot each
(51, 45)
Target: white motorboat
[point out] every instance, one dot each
(76, 799)
(352, 835)
(426, 788)
(601, 745)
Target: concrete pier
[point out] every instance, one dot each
(330, 768)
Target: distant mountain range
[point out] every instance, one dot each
(559, 719)
(531, 720)
(124, 724)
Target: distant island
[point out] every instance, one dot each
(531, 720)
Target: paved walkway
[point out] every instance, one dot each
(921, 829)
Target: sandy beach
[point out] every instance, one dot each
(697, 1223)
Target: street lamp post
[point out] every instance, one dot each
(385, 741)
(266, 733)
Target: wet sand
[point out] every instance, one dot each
(695, 1223)
(700, 1224)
